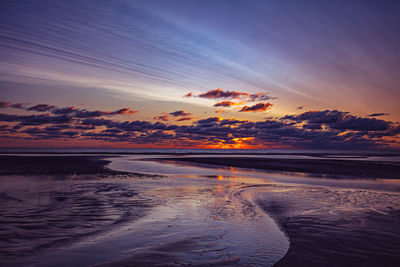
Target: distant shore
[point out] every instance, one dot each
(346, 168)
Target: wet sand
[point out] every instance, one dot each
(336, 227)
(346, 168)
(58, 165)
(40, 216)
(326, 226)
(53, 165)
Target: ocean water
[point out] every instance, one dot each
(199, 151)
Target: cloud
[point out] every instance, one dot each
(66, 110)
(125, 111)
(4, 104)
(73, 111)
(242, 96)
(83, 113)
(260, 97)
(18, 105)
(326, 116)
(225, 103)
(260, 107)
(163, 117)
(313, 129)
(300, 107)
(41, 119)
(180, 113)
(220, 93)
(190, 94)
(340, 120)
(185, 119)
(208, 120)
(42, 107)
(378, 114)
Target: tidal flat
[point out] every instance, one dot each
(145, 210)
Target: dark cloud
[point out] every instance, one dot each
(314, 129)
(208, 120)
(300, 107)
(42, 107)
(42, 119)
(72, 111)
(378, 114)
(18, 105)
(313, 126)
(83, 113)
(220, 93)
(326, 116)
(340, 120)
(180, 113)
(163, 117)
(260, 97)
(185, 119)
(257, 107)
(124, 111)
(225, 103)
(4, 104)
(65, 111)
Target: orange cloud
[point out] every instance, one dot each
(125, 111)
(185, 119)
(189, 94)
(224, 104)
(163, 117)
(257, 107)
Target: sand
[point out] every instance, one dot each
(336, 227)
(326, 226)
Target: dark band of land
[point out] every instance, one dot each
(54, 165)
(354, 168)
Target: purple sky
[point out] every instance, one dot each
(254, 63)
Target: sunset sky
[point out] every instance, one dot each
(209, 74)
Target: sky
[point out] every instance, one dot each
(200, 74)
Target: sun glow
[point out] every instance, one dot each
(237, 143)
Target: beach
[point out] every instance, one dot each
(68, 209)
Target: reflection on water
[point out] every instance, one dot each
(190, 170)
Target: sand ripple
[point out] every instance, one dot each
(38, 217)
